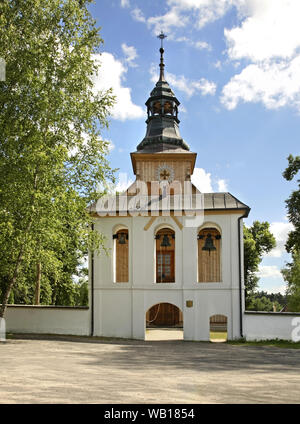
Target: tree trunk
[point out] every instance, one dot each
(38, 284)
(11, 284)
(16, 272)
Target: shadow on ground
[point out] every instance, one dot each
(179, 354)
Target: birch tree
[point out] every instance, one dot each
(51, 153)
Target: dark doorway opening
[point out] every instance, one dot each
(164, 315)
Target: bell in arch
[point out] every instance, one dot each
(209, 244)
(166, 241)
(122, 239)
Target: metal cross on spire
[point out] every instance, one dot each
(162, 36)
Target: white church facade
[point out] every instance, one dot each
(168, 264)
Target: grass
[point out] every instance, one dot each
(284, 344)
(218, 335)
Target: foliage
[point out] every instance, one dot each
(284, 344)
(263, 301)
(293, 204)
(291, 275)
(258, 240)
(273, 297)
(52, 157)
(257, 302)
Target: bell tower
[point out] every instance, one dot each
(167, 268)
(163, 154)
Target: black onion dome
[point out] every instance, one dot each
(162, 124)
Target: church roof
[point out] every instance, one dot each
(222, 201)
(210, 202)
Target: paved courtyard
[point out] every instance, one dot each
(81, 370)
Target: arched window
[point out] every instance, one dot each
(209, 256)
(168, 108)
(165, 256)
(121, 255)
(157, 108)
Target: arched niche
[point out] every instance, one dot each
(165, 255)
(209, 254)
(121, 254)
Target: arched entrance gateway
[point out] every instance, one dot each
(164, 321)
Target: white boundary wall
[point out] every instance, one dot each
(77, 321)
(48, 319)
(272, 325)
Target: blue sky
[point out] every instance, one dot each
(235, 67)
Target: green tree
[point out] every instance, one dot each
(258, 240)
(51, 153)
(291, 274)
(262, 303)
(293, 204)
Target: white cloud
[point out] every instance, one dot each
(222, 186)
(173, 18)
(276, 289)
(123, 182)
(202, 180)
(137, 15)
(280, 231)
(268, 36)
(184, 12)
(270, 29)
(111, 74)
(275, 85)
(189, 87)
(218, 64)
(111, 145)
(130, 54)
(269, 271)
(125, 3)
(200, 45)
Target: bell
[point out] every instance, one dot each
(122, 239)
(165, 242)
(209, 245)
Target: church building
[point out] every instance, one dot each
(175, 254)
